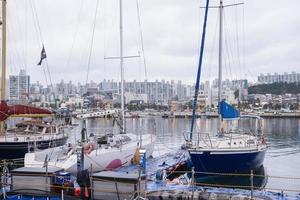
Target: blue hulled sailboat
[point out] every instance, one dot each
(226, 151)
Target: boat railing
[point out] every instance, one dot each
(32, 136)
(205, 137)
(249, 188)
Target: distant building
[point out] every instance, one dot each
(277, 78)
(19, 86)
(135, 98)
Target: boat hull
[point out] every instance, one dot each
(15, 150)
(102, 158)
(226, 161)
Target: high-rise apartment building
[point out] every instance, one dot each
(277, 78)
(19, 86)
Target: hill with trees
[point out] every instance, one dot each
(275, 88)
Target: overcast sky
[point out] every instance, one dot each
(261, 36)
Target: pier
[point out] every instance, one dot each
(167, 177)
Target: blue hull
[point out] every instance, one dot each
(226, 162)
(15, 150)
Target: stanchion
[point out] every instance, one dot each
(251, 182)
(193, 182)
(62, 194)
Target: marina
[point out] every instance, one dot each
(281, 183)
(217, 138)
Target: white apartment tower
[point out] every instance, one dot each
(19, 86)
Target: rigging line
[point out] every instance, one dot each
(237, 41)
(92, 42)
(244, 43)
(139, 89)
(228, 48)
(18, 53)
(12, 40)
(231, 58)
(141, 36)
(26, 34)
(36, 20)
(213, 49)
(235, 62)
(104, 44)
(225, 50)
(9, 59)
(75, 34)
(39, 36)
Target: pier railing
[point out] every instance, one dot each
(281, 191)
(194, 184)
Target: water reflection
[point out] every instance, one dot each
(283, 138)
(237, 180)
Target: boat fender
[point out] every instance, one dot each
(76, 189)
(160, 175)
(89, 147)
(77, 192)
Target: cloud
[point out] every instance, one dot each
(268, 38)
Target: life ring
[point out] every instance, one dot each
(89, 147)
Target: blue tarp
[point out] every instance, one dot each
(228, 111)
(30, 197)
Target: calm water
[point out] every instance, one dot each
(283, 137)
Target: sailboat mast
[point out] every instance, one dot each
(220, 59)
(3, 80)
(199, 71)
(122, 68)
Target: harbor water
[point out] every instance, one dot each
(282, 160)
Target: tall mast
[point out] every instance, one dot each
(199, 71)
(220, 60)
(122, 68)
(3, 80)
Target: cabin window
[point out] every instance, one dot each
(250, 142)
(125, 139)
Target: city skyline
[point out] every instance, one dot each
(260, 79)
(171, 43)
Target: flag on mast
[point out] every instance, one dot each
(43, 56)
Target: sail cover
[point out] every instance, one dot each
(228, 111)
(20, 110)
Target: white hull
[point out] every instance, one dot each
(100, 159)
(97, 114)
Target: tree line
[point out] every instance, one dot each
(275, 88)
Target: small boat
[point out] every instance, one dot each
(97, 114)
(226, 151)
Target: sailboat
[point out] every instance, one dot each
(26, 135)
(102, 151)
(226, 151)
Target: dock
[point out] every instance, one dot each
(165, 178)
